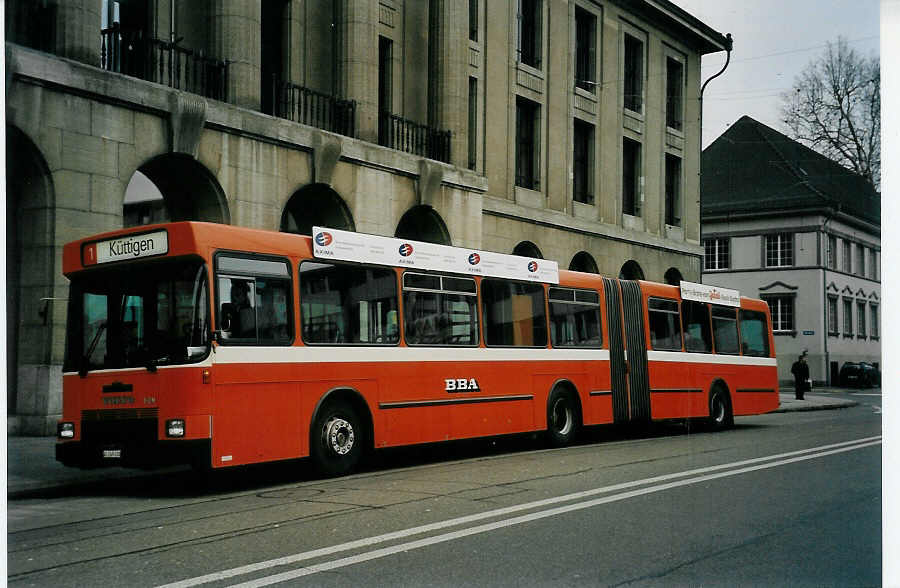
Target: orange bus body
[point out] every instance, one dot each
(248, 404)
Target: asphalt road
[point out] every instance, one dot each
(782, 499)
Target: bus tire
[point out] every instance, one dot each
(720, 412)
(336, 442)
(563, 418)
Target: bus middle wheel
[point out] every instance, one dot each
(562, 418)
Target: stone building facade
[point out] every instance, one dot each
(562, 129)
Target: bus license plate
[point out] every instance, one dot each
(112, 454)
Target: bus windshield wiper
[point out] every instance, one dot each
(86, 359)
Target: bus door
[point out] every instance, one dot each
(627, 351)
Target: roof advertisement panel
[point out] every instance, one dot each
(711, 294)
(349, 246)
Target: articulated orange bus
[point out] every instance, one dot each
(221, 346)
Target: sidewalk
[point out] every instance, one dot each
(32, 467)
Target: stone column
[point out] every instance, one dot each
(359, 63)
(236, 37)
(78, 30)
(450, 66)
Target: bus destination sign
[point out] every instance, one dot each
(711, 294)
(362, 248)
(129, 247)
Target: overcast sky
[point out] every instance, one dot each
(773, 41)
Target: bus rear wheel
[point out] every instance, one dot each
(337, 439)
(563, 419)
(720, 414)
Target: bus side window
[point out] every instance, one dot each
(575, 318)
(514, 313)
(348, 304)
(725, 332)
(439, 310)
(254, 300)
(695, 317)
(754, 333)
(665, 326)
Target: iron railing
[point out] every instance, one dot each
(405, 135)
(315, 109)
(132, 53)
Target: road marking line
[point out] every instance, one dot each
(704, 475)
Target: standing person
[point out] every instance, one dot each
(800, 369)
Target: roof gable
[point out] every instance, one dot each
(752, 168)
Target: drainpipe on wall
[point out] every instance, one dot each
(728, 46)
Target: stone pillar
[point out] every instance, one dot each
(451, 68)
(236, 37)
(359, 63)
(78, 30)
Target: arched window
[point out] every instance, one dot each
(527, 249)
(173, 187)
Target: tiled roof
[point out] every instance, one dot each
(752, 168)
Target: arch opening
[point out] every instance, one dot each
(631, 270)
(528, 249)
(316, 205)
(673, 276)
(584, 262)
(422, 223)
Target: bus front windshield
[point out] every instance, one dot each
(138, 316)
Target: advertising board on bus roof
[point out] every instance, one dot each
(349, 246)
(711, 294)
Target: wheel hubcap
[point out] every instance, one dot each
(562, 417)
(718, 410)
(339, 436)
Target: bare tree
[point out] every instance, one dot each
(834, 108)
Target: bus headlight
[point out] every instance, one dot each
(65, 430)
(175, 428)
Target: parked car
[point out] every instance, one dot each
(862, 374)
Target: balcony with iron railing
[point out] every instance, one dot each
(312, 108)
(133, 53)
(405, 135)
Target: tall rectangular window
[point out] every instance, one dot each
(529, 41)
(473, 20)
(873, 324)
(780, 250)
(582, 172)
(873, 265)
(385, 89)
(634, 73)
(527, 141)
(831, 253)
(861, 319)
(833, 326)
(846, 262)
(673, 190)
(585, 50)
(782, 311)
(860, 260)
(848, 317)
(631, 176)
(473, 122)
(716, 253)
(674, 93)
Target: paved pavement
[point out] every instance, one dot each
(32, 467)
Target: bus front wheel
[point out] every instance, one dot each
(337, 439)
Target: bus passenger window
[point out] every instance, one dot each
(754, 334)
(254, 301)
(575, 318)
(725, 332)
(695, 317)
(514, 313)
(439, 310)
(665, 326)
(348, 304)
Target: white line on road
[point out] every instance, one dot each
(702, 475)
